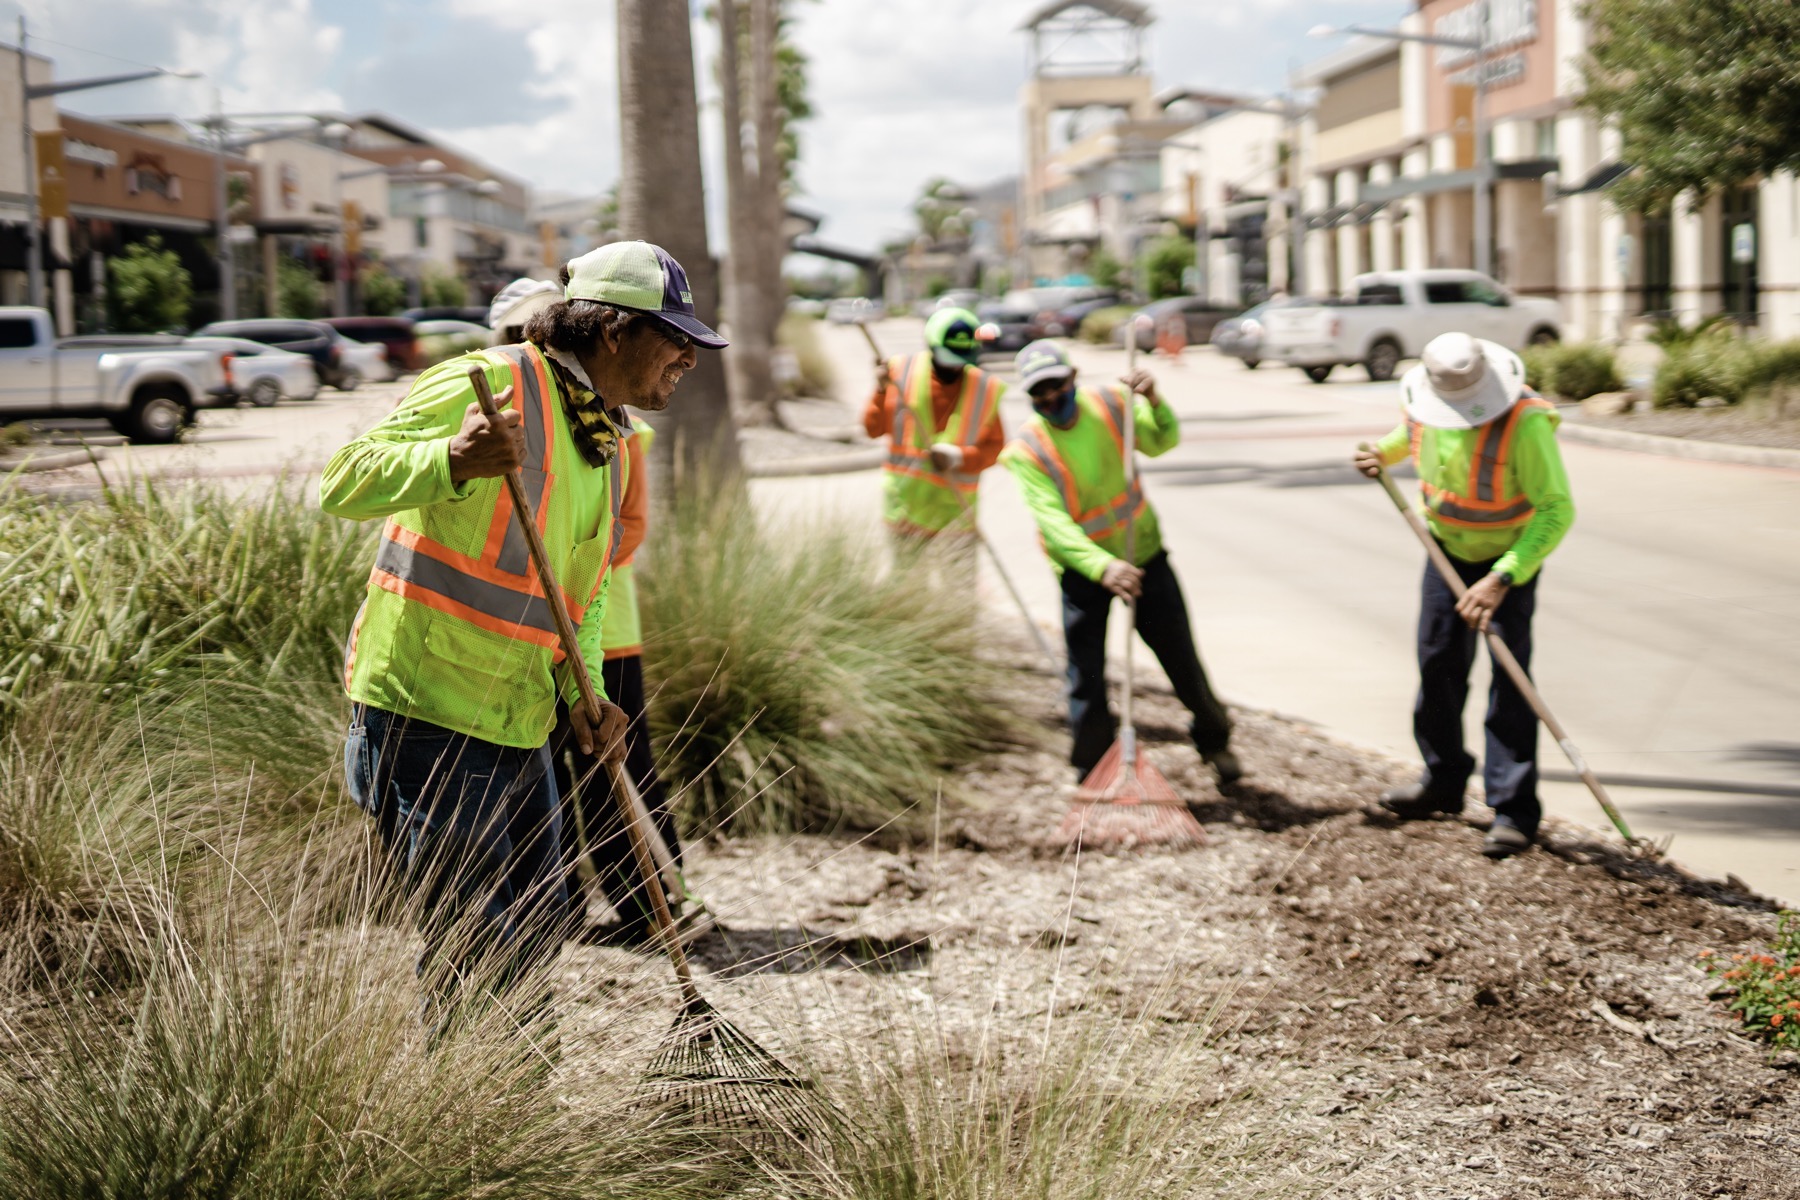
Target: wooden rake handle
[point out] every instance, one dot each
(1501, 654)
(637, 825)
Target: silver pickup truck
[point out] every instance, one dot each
(148, 392)
(1390, 315)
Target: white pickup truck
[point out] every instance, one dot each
(1390, 315)
(149, 392)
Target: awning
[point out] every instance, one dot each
(1422, 185)
(1365, 212)
(1600, 177)
(1529, 168)
(1328, 218)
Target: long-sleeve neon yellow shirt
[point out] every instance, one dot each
(409, 658)
(1534, 469)
(1098, 469)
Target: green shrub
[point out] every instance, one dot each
(795, 685)
(1764, 989)
(297, 292)
(1718, 363)
(149, 290)
(1670, 333)
(440, 289)
(1163, 263)
(1572, 370)
(383, 294)
(1098, 326)
(800, 334)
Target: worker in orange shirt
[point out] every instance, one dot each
(941, 415)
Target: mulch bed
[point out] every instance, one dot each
(1743, 426)
(1384, 1013)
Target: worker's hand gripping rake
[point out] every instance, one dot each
(1125, 801)
(707, 1070)
(1503, 658)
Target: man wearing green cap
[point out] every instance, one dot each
(453, 666)
(941, 415)
(1069, 461)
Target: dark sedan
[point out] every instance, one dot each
(1198, 314)
(1241, 336)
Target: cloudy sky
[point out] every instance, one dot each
(904, 89)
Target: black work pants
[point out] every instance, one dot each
(584, 783)
(1446, 653)
(1162, 621)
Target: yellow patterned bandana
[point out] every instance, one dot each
(596, 429)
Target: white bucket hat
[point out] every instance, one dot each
(520, 300)
(1462, 382)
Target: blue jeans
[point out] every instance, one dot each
(474, 833)
(1446, 653)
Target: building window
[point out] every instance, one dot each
(1546, 138)
(1657, 237)
(1737, 214)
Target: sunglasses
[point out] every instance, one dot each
(674, 337)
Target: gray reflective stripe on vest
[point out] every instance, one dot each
(515, 555)
(1050, 465)
(1487, 455)
(617, 487)
(489, 599)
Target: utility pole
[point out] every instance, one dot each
(34, 266)
(222, 222)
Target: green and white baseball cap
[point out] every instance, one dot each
(642, 278)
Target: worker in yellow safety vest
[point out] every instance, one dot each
(1069, 461)
(454, 668)
(1497, 500)
(940, 413)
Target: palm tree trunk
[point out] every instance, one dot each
(765, 16)
(662, 200)
(749, 363)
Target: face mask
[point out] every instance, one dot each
(1058, 409)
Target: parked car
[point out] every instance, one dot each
(368, 360)
(397, 336)
(445, 339)
(1065, 320)
(315, 339)
(1241, 337)
(1199, 315)
(1390, 315)
(967, 298)
(263, 375)
(1018, 316)
(853, 310)
(148, 392)
(476, 313)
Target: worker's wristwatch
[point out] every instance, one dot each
(1504, 577)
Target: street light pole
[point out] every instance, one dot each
(222, 220)
(34, 268)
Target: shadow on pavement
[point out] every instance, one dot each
(795, 950)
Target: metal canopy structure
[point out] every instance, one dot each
(1088, 37)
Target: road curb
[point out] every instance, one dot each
(34, 463)
(824, 464)
(1675, 447)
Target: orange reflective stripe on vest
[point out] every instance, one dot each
(1488, 504)
(499, 591)
(912, 431)
(1104, 519)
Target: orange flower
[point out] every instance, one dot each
(1777, 1019)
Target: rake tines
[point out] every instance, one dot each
(712, 1076)
(1119, 807)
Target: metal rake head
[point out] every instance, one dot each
(716, 1079)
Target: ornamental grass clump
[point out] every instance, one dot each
(1763, 989)
(148, 583)
(797, 684)
(263, 1058)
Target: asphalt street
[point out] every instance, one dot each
(1668, 629)
(1668, 626)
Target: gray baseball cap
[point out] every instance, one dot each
(1040, 361)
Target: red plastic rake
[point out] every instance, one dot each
(1124, 801)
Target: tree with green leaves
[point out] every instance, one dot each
(296, 290)
(150, 289)
(438, 288)
(1163, 263)
(940, 202)
(383, 293)
(1705, 93)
